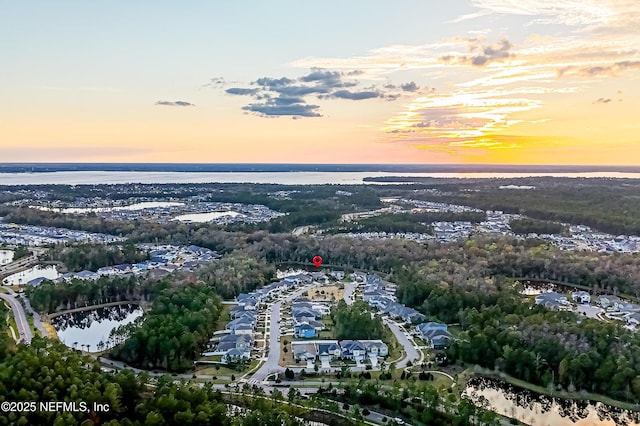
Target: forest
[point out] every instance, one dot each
(173, 332)
(49, 297)
(527, 226)
(404, 222)
(94, 256)
(354, 322)
(26, 374)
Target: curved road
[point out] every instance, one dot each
(24, 332)
(411, 352)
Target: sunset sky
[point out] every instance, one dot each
(465, 81)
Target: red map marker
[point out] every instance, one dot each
(317, 260)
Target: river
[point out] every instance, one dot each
(283, 178)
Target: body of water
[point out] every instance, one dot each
(540, 410)
(39, 271)
(6, 256)
(137, 206)
(204, 217)
(283, 178)
(94, 326)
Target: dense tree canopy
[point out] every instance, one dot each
(174, 331)
(355, 322)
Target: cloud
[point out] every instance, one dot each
(272, 109)
(481, 55)
(175, 103)
(286, 96)
(602, 101)
(409, 87)
(241, 91)
(355, 96)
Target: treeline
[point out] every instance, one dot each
(46, 371)
(49, 297)
(94, 256)
(533, 226)
(238, 272)
(406, 222)
(354, 322)
(418, 402)
(608, 205)
(174, 331)
(551, 349)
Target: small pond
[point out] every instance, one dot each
(94, 327)
(540, 410)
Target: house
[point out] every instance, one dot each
(298, 279)
(435, 334)
(375, 347)
(328, 350)
(240, 325)
(86, 275)
(231, 341)
(235, 355)
(303, 351)
(338, 275)
(581, 297)
(553, 300)
(633, 319)
(352, 349)
(305, 331)
(609, 301)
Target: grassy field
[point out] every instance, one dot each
(326, 293)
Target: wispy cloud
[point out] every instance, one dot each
(175, 103)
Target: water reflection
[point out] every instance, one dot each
(540, 410)
(92, 329)
(6, 256)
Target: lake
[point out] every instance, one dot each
(94, 326)
(283, 178)
(39, 271)
(6, 256)
(204, 217)
(540, 410)
(132, 207)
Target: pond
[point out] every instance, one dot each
(94, 327)
(6, 256)
(39, 271)
(535, 409)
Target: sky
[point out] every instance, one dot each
(463, 81)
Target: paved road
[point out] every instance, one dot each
(411, 352)
(349, 289)
(37, 322)
(271, 366)
(24, 332)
